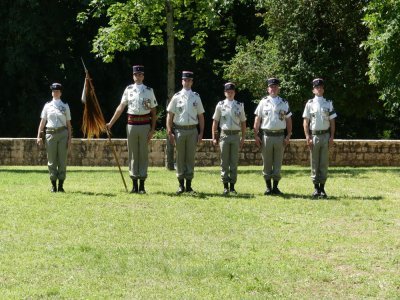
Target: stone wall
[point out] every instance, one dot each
(24, 151)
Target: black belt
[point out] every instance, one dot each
(230, 132)
(185, 126)
(318, 132)
(55, 130)
(273, 132)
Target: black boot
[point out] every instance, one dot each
(135, 188)
(53, 186)
(322, 191)
(268, 191)
(189, 186)
(141, 187)
(232, 189)
(181, 187)
(60, 186)
(317, 192)
(226, 189)
(275, 189)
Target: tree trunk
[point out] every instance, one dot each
(170, 73)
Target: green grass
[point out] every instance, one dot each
(97, 241)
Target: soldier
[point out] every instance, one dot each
(319, 116)
(230, 115)
(272, 116)
(56, 116)
(142, 119)
(185, 112)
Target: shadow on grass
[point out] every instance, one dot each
(23, 171)
(200, 195)
(94, 194)
(330, 197)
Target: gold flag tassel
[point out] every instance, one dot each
(93, 123)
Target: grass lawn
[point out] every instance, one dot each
(97, 241)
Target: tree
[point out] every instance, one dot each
(383, 21)
(308, 39)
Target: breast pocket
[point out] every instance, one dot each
(325, 113)
(180, 107)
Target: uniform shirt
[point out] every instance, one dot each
(273, 113)
(186, 106)
(319, 111)
(230, 114)
(139, 98)
(56, 113)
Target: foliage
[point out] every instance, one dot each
(383, 20)
(96, 241)
(135, 23)
(309, 39)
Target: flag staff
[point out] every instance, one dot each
(93, 120)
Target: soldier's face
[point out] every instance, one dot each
(273, 90)
(187, 83)
(138, 77)
(230, 94)
(56, 94)
(318, 90)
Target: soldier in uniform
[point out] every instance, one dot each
(273, 116)
(319, 128)
(230, 115)
(56, 116)
(185, 113)
(142, 117)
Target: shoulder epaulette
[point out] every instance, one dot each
(149, 88)
(176, 94)
(239, 103)
(130, 86)
(284, 100)
(309, 101)
(196, 93)
(221, 102)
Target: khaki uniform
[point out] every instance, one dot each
(319, 111)
(140, 100)
(56, 113)
(273, 114)
(186, 106)
(230, 115)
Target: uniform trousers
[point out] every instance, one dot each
(229, 145)
(319, 157)
(186, 143)
(272, 155)
(57, 151)
(138, 151)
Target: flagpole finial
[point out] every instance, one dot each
(83, 63)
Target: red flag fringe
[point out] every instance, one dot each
(93, 123)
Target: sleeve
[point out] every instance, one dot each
(153, 99)
(258, 111)
(200, 108)
(67, 113)
(242, 113)
(171, 106)
(306, 113)
(43, 115)
(288, 112)
(217, 113)
(332, 112)
(124, 98)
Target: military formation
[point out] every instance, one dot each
(185, 129)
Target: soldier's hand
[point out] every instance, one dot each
(331, 141)
(241, 143)
(39, 141)
(171, 137)
(200, 138)
(257, 140)
(215, 142)
(309, 142)
(150, 135)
